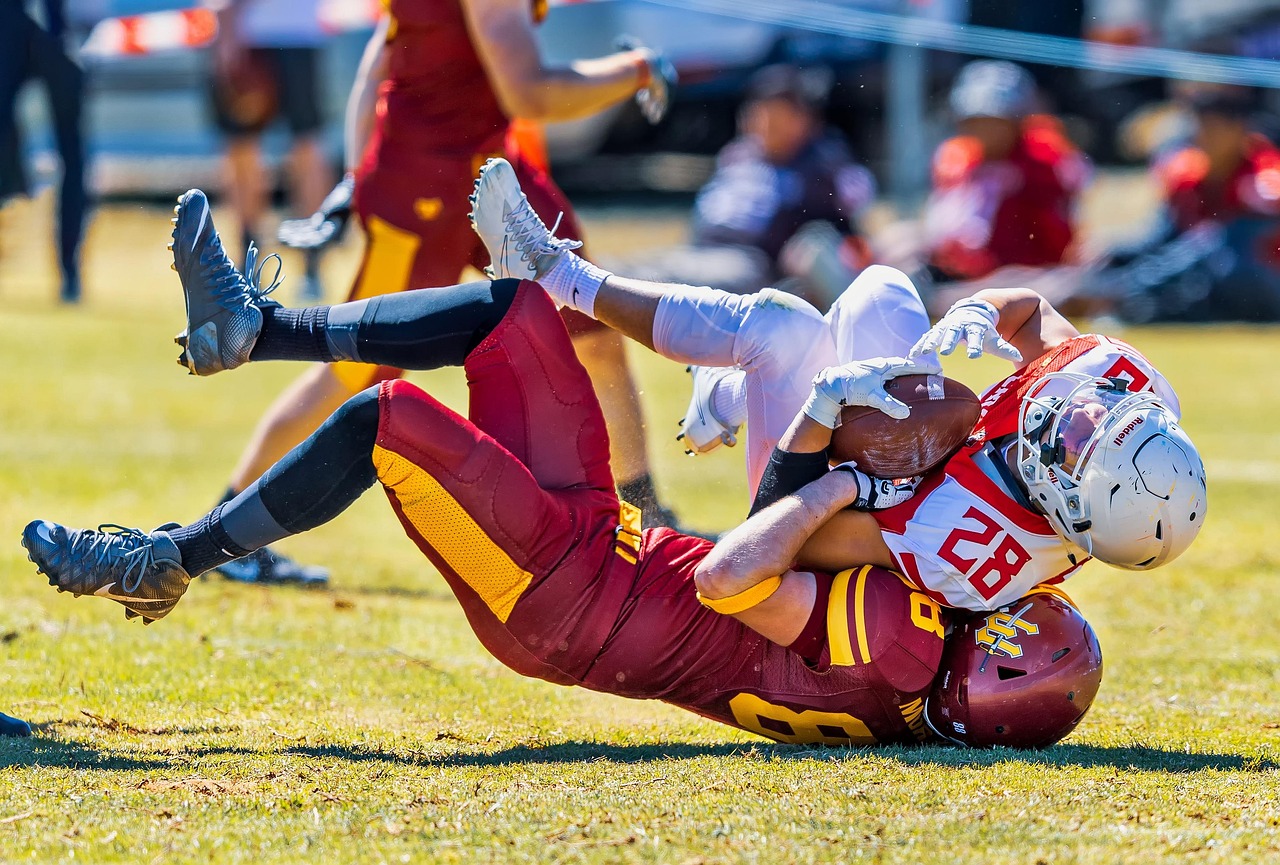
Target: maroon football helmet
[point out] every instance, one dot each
(1022, 676)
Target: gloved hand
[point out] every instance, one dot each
(325, 225)
(876, 494)
(862, 383)
(973, 321)
(655, 97)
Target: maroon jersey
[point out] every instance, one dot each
(880, 646)
(559, 583)
(436, 96)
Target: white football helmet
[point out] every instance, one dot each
(1111, 468)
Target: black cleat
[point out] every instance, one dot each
(141, 571)
(224, 307)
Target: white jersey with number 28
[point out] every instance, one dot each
(961, 538)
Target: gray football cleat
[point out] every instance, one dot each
(139, 570)
(224, 307)
(520, 245)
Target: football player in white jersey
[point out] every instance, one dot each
(1077, 454)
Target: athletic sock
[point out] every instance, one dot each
(573, 282)
(293, 334)
(729, 399)
(205, 544)
(640, 492)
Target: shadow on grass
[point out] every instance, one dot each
(40, 751)
(36, 750)
(1133, 757)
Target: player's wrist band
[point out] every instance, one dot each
(745, 600)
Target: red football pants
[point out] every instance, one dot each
(515, 507)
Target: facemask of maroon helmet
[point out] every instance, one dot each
(1022, 676)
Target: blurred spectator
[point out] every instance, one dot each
(1215, 251)
(781, 208)
(29, 50)
(1005, 186)
(1004, 193)
(265, 63)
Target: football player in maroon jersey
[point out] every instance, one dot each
(516, 507)
(437, 88)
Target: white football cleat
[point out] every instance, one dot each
(520, 245)
(700, 429)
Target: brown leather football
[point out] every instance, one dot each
(943, 412)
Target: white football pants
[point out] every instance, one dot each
(780, 342)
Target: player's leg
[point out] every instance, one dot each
(603, 352)
(778, 339)
(880, 314)
(470, 501)
(310, 176)
(431, 250)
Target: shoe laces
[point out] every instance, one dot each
(258, 294)
(233, 289)
(531, 236)
(112, 545)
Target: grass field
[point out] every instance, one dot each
(365, 723)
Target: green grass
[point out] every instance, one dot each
(366, 724)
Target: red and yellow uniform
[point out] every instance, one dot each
(437, 122)
(559, 583)
(1252, 189)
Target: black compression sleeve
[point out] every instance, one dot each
(786, 473)
(430, 328)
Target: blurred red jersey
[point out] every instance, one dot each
(436, 96)
(984, 215)
(1252, 189)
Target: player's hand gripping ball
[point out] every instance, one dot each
(941, 419)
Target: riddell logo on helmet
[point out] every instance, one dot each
(1128, 428)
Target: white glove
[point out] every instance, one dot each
(862, 383)
(973, 321)
(876, 494)
(655, 97)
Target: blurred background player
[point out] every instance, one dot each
(437, 88)
(30, 50)
(782, 207)
(1004, 191)
(266, 60)
(1214, 253)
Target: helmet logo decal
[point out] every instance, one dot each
(1128, 428)
(999, 633)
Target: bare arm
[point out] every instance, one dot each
(364, 95)
(503, 35)
(764, 546)
(1028, 321)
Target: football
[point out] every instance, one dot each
(943, 412)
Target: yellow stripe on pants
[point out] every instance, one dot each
(449, 529)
